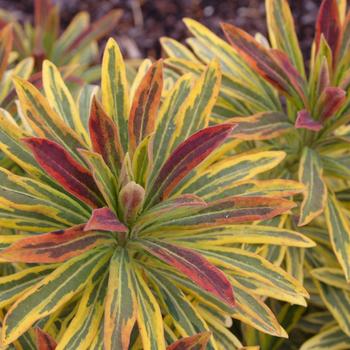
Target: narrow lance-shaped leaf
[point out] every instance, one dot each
(332, 276)
(194, 266)
(53, 247)
(339, 231)
(186, 157)
(195, 342)
(328, 338)
(103, 219)
(43, 120)
(185, 315)
(61, 166)
(216, 178)
(315, 196)
(171, 108)
(232, 210)
(328, 24)
(114, 90)
(282, 31)
(330, 101)
(231, 234)
(66, 281)
(60, 98)
(14, 285)
(261, 126)
(121, 304)
(149, 317)
(44, 341)
(145, 105)
(84, 327)
(105, 137)
(103, 176)
(273, 65)
(337, 302)
(198, 105)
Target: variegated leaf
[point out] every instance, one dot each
(315, 196)
(121, 305)
(53, 247)
(339, 232)
(114, 90)
(66, 281)
(194, 266)
(60, 165)
(145, 105)
(184, 158)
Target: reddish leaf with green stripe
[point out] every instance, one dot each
(105, 137)
(194, 266)
(104, 219)
(195, 342)
(145, 105)
(305, 121)
(56, 246)
(186, 157)
(61, 166)
(273, 65)
(330, 101)
(233, 210)
(328, 24)
(44, 341)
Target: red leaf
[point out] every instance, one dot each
(145, 105)
(304, 121)
(61, 166)
(195, 267)
(186, 157)
(195, 342)
(52, 247)
(330, 101)
(328, 24)
(44, 341)
(231, 210)
(105, 137)
(272, 65)
(104, 219)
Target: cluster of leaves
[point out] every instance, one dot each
(75, 48)
(136, 222)
(277, 105)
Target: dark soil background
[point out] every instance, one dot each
(145, 21)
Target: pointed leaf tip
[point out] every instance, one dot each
(195, 267)
(304, 121)
(44, 341)
(186, 157)
(195, 342)
(61, 166)
(104, 219)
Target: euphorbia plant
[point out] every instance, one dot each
(76, 46)
(137, 218)
(282, 104)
